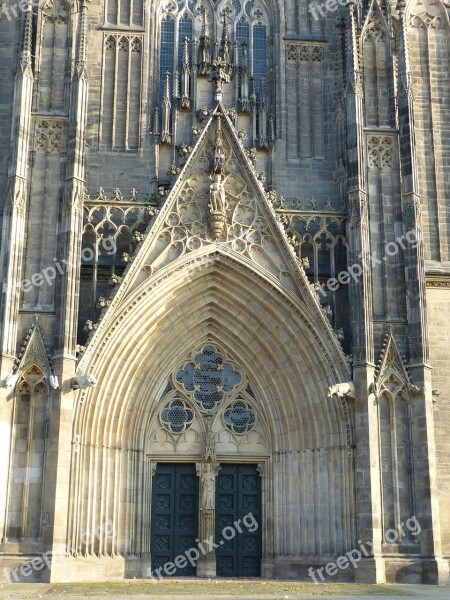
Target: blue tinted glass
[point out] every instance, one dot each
(249, 6)
(184, 31)
(237, 6)
(209, 378)
(242, 35)
(259, 54)
(166, 57)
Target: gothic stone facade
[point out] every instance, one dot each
(181, 184)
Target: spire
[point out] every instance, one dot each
(262, 115)
(82, 39)
(244, 102)
(225, 44)
(205, 29)
(176, 85)
(252, 94)
(204, 49)
(186, 53)
(222, 68)
(186, 76)
(236, 56)
(166, 97)
(219, 154)
(166, 112)
(27, 39)
(156, 125)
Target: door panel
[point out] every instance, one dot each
(238, 494)
(174, 515)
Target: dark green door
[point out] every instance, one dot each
(238, 497)
(174, 515)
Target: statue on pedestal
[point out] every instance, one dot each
(208, 487)
(217, 207)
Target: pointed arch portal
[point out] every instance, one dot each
(214, 351)
(300, 431)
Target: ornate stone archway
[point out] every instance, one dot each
(286, 359)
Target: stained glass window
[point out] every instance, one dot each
(259, 54)
(177, 417)
(167, 49)
(250, 29)
(239, 417)
(184, 31)
(209, 378)
(242, 36)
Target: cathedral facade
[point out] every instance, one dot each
(226, 289)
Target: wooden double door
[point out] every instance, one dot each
(175, 510)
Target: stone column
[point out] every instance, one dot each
(12, 248)
(367, 464)
(67, 297)
(435, 569)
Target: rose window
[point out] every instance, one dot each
(209, 379)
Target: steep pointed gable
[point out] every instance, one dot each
(375, 22)
(34, 354)
(218, 209)
(391, 362)
(247, 228)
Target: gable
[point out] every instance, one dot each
(247, 228)
(217, 210)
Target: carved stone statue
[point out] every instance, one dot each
(217, 207)
(217, 195)
(208, 487)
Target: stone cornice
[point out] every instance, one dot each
(438, 281)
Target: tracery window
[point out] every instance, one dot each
(184, 20)
(177, 417)
(239, 417)
(208, 383)
(208, 378)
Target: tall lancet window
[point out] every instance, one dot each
(166, 57)
(187, 26)
(213, 49)
(176, 34)
(248, 22)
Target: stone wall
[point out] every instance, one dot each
(438, 300)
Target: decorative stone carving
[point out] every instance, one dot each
(10, 381)
(412, 214)
(208, 487)
(54, 382)
(209, 452)
(380, 151)
(342, 390)
(83, 381)
(217, 208)
(50, 136)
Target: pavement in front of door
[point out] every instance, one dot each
(218, 589)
